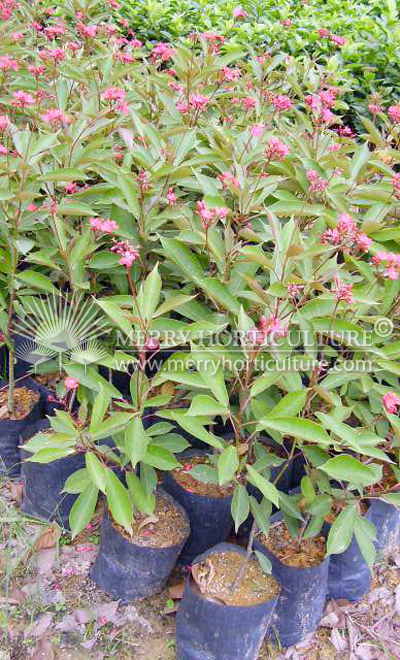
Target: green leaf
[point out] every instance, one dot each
(206, 405)
(348, 468)
(140, 498)
(99, 409)
(160, 458)
(264, 562)
(184, 258)
(291, 404)
(96, 471)
(263, 382)
(307, 489)
(228, 462)
(150, 294)
(119, 502)
(115, 313)
(51, 454)
(262, 513)
(77, 482)
(298, 428)
(341, 532)
(136, 441)
(37, 280)
(83, 509)
(75, 208)
(240, 506)
(205, 474)
(266, 487)
(364, 540)
(65, 174)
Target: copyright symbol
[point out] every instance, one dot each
(383, 328)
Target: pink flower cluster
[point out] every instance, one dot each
(276, 149)
(171, 197)
(394, 113)
(227, 179)
(4, 123)
(197, 102)
(282, 103)
(128, 252)
(55, 117)
(210, 216)
(390, 263)
(271, 328)
(162, 52)
(88, 31)
(7, 64)
(239, 12)
(322, 102)
(294, 290)
(347, 235)
(22, 99)
(230, 74)
(342, 291)
(106, 226)
(334, 38)
(391, 402)
(116, 96)
(57, 55)
(317, 183)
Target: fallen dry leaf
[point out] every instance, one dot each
(49, 538)
(45, 560)
(176, 591)
(16, 489)
(43, 651)
(40, 625)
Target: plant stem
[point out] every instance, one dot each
(240, 574)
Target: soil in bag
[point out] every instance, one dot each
(301, 569)
(44, 483)
(208, 506)
(136, 567)
(28, 408)
(349, 575)
(216, 622)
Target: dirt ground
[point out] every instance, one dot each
(51, 610)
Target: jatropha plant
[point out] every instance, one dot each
(225, 219)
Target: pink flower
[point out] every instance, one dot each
(323, 32)
(338, 41)
(143, 179)
(152, 344)
(269, 330)
(114, 94)
(287, 22)
(171, 197)
(88, 31)
(4, 123)
(390, 402)
(395, 182)
(282, 103)
(248, 103)
(3, 150)
(7, 64)
(239, 12)
(334, 147)
(31, 207)
(294, 290)
(22, 99)
(394, 113)
(55, 54)
(342, 291)
(106, 226)
(197, 102)
(363, 241)
(71, 383)
(375, 108)
(36, 71)
(257, 130)
(55, 117)
(128, 252)
(71, 188)
(276, 149)
(227, 179)
(162, 52)
(317, 183)
(231, 74)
